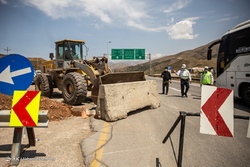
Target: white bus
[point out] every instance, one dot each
(233, 61)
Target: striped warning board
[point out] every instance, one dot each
(217, 111)
(25, 108)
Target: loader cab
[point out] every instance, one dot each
(68, 50)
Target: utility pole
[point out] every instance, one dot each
(37, 60)
(149, 56)
(7, 50)
(108, 47)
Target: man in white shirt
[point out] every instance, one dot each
(185, 77)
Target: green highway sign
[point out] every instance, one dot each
(128, 54)
(116, 54)
(140, 54)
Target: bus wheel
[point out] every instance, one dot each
(246, 94)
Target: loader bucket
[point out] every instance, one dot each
(112, 78)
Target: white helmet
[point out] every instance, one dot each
(183, 66)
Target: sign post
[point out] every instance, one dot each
(24, 113)
(16, 75)
(25, 108)
(216, 111)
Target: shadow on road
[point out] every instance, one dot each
(179, 96)
(197, 97)
(158, 163)
(138, 110)
(6, 148)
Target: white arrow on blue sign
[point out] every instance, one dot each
(16, 73)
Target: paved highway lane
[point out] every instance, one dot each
(137, 140)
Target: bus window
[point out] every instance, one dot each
(220, 63)
(240, 42)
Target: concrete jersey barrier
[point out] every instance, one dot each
(115, 101)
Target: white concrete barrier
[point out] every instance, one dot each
(116, 100)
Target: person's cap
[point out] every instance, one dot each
(183, 66)
(206, 67)
(166, 67)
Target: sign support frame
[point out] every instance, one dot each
(17, 143)
(18, 131)
(182, 118)
(16, 146)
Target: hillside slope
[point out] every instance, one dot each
(192, 58)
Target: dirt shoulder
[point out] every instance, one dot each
(57, 145)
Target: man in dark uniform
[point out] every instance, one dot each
(166, 80)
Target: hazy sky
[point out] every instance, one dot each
(161, 27)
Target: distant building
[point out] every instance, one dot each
(35, 61)
(2, 55)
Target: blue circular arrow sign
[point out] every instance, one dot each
(16, 73)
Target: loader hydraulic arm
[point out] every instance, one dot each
(86, 69)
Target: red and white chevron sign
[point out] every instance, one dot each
(217, 111)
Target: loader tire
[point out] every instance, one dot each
(74, 88)
(44, 84)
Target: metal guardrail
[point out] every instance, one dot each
(175, 77)
(5, 119)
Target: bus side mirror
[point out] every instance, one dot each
(209, 54)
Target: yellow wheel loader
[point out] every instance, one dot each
(74, 76)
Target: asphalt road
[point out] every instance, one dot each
(137, 140)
